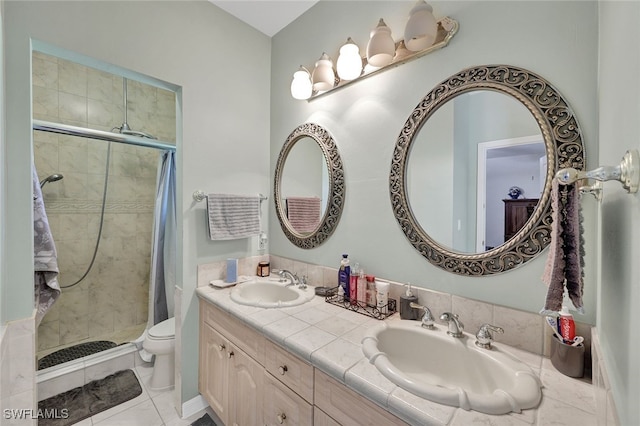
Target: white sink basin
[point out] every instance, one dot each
(449, 370)
(270, 293)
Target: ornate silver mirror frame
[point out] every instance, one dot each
(563, 144)
(336, 193)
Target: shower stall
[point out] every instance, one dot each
(99, 197)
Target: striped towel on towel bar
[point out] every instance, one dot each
(232, 217)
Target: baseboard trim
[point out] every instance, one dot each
(194, 405)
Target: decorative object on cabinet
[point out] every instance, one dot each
(563, 144)
(300, 179)
(423, 34)
(515, 192)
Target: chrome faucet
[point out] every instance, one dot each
(283, 276)
(427, 318)
(303, 282)
(484, 336)
(455, 325)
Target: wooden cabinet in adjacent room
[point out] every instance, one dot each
(516, 214)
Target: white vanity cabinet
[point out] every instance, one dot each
(249, 380)
(229, 378)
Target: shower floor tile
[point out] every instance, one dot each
(118, 337)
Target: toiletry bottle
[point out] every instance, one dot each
(362, 287)
(566, 325)
(353, 284)
(406, 311)
(371, 290)
(382, 296)
(343, 275)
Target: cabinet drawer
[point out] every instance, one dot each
(282, 406)
(241, 335)
(346, 406)
(290, 370)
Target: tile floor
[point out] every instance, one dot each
(151, 408)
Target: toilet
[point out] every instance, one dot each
(161, 341)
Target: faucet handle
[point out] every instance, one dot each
(427, 318)
(484, 336)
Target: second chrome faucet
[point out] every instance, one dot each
(455, 325)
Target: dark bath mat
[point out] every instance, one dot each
(82, 402)
(74, 352)
(205, 420)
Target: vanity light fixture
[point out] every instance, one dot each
(323, 77)
(301, 87)
(421, 29)
(349, 64)
(381, 48)
(423, 34)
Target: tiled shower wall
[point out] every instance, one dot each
(114, 295)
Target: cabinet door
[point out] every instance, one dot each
(245, 389)
(282, 406)
(214, 371)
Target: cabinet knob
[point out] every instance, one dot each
(283, 369)
(230, 354)
(221, 347)
(281, 418)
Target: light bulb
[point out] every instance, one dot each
(323, 77)
(301, 84)
(421, 29)
(381, 47)
(349, 64)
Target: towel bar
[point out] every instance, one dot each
(200, 196)
(627, 172)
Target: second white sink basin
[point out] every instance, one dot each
(451, 371)
(270, 293)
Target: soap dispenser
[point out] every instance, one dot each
(406, 311)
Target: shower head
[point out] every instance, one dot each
(51, 178)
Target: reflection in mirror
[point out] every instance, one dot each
(436, 190)
(463, 162)
(305, 184)
(309, 186)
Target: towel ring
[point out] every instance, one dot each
(627, 172)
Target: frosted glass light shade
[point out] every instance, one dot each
(323, 77)
(349, 64)
(301, 84)
(421, 29)
(381, 47)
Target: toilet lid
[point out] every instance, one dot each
(164, 330)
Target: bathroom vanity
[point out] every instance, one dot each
(248, 380)
(304, 365)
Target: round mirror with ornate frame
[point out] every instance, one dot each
(563, 145)
(328, 201)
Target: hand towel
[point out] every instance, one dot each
(303, 213)
(233, 216)
(47, 289)
(563, 269)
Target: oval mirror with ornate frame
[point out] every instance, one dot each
(563, 146)
(330, 209)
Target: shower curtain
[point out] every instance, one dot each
(163, 255)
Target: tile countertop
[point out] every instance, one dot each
(329, 338)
